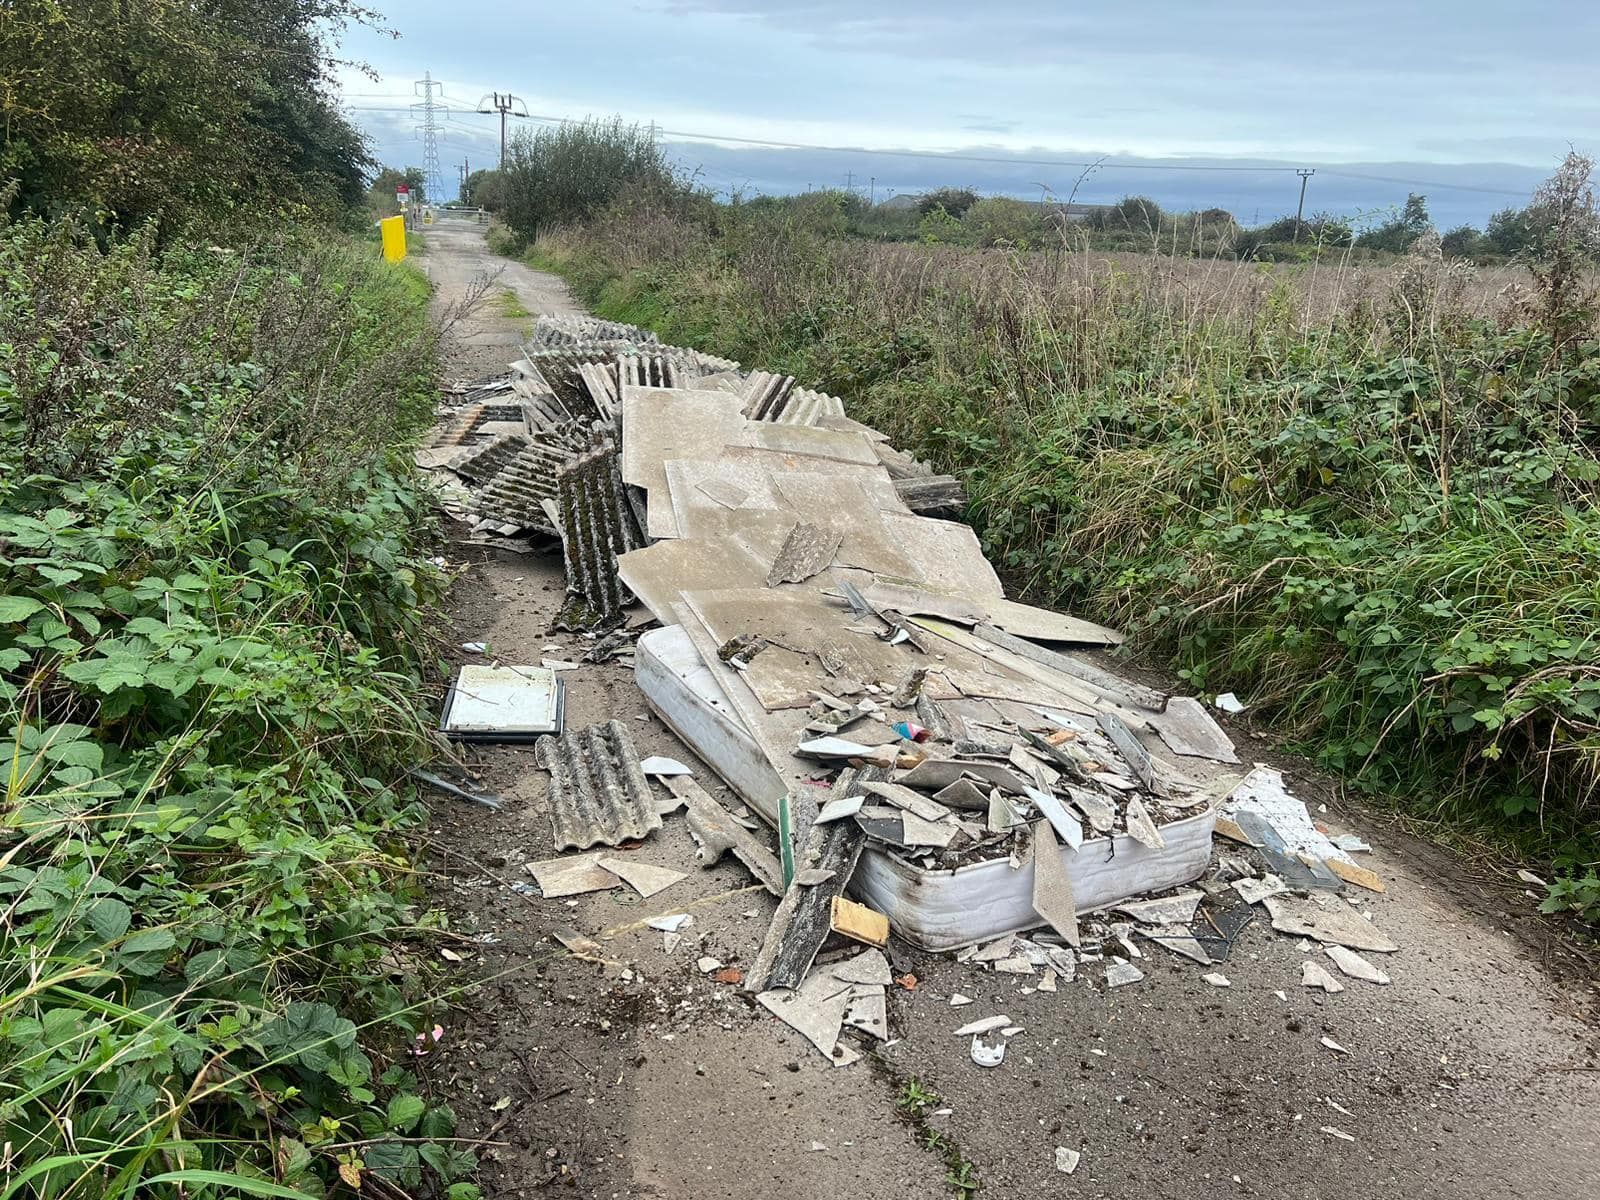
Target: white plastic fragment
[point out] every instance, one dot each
(1334, 1046)
(1216, 979)
(707, 964)
(672, 922)
(1350, 841)
(957, 1000)
(557, 664)
(1338, 1133)
(983, 1025)
(659, 764)
(1067, 1159)
(475, 647)
(671, 941)
(1530, 878)
(986, 1055)
(1229, 703)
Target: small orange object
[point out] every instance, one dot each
(1061, 735)
(908, 981)
(728, 975)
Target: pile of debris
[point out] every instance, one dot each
(964, 766)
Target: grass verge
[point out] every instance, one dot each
(212, 587)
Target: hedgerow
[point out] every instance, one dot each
(212, 596)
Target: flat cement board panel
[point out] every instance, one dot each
(843, 505)
(1188, 729)
(947, 556)
(804, 632)
(812, 442)
(776, 734)
(917, 601)
(660, 424)
(503, 700)
(659, 575)
(1042, 625)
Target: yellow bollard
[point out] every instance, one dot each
(394, 238)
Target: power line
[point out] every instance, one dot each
(1105, 164)
(1427, 183)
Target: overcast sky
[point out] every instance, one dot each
(1462, 92)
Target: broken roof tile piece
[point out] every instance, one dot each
(598, 793)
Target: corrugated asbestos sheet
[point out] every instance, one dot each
(766, 394)
(656, 370)
(805, 407)
(463, 427)
(598, 792)
(596, 526)
(516, 495)
(482, 461)
(570, 330)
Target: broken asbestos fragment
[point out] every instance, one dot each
(807, 550)
(1353, 965)
(1333, 923)
(1312, 975)
(1052, 889)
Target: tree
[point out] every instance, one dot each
(486, 190)
(1462, 242)
(570, 172)
(381, 192)
(1509, 232)
(954, 201)
(1002, 221)
(174, 112)
(1134, 212)
(1397, 234)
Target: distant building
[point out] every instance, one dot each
(903, 201)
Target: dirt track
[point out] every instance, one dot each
(1473, 1075)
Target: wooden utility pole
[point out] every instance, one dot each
(1299, 213)
(505, 104)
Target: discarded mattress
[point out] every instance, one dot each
(933, 909)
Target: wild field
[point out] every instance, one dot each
(1363, 497)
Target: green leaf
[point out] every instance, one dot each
(15, 609)
(405, 1111)
(110, 918)
(148, 940)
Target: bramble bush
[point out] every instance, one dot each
(1366, 499)
(212, 595)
